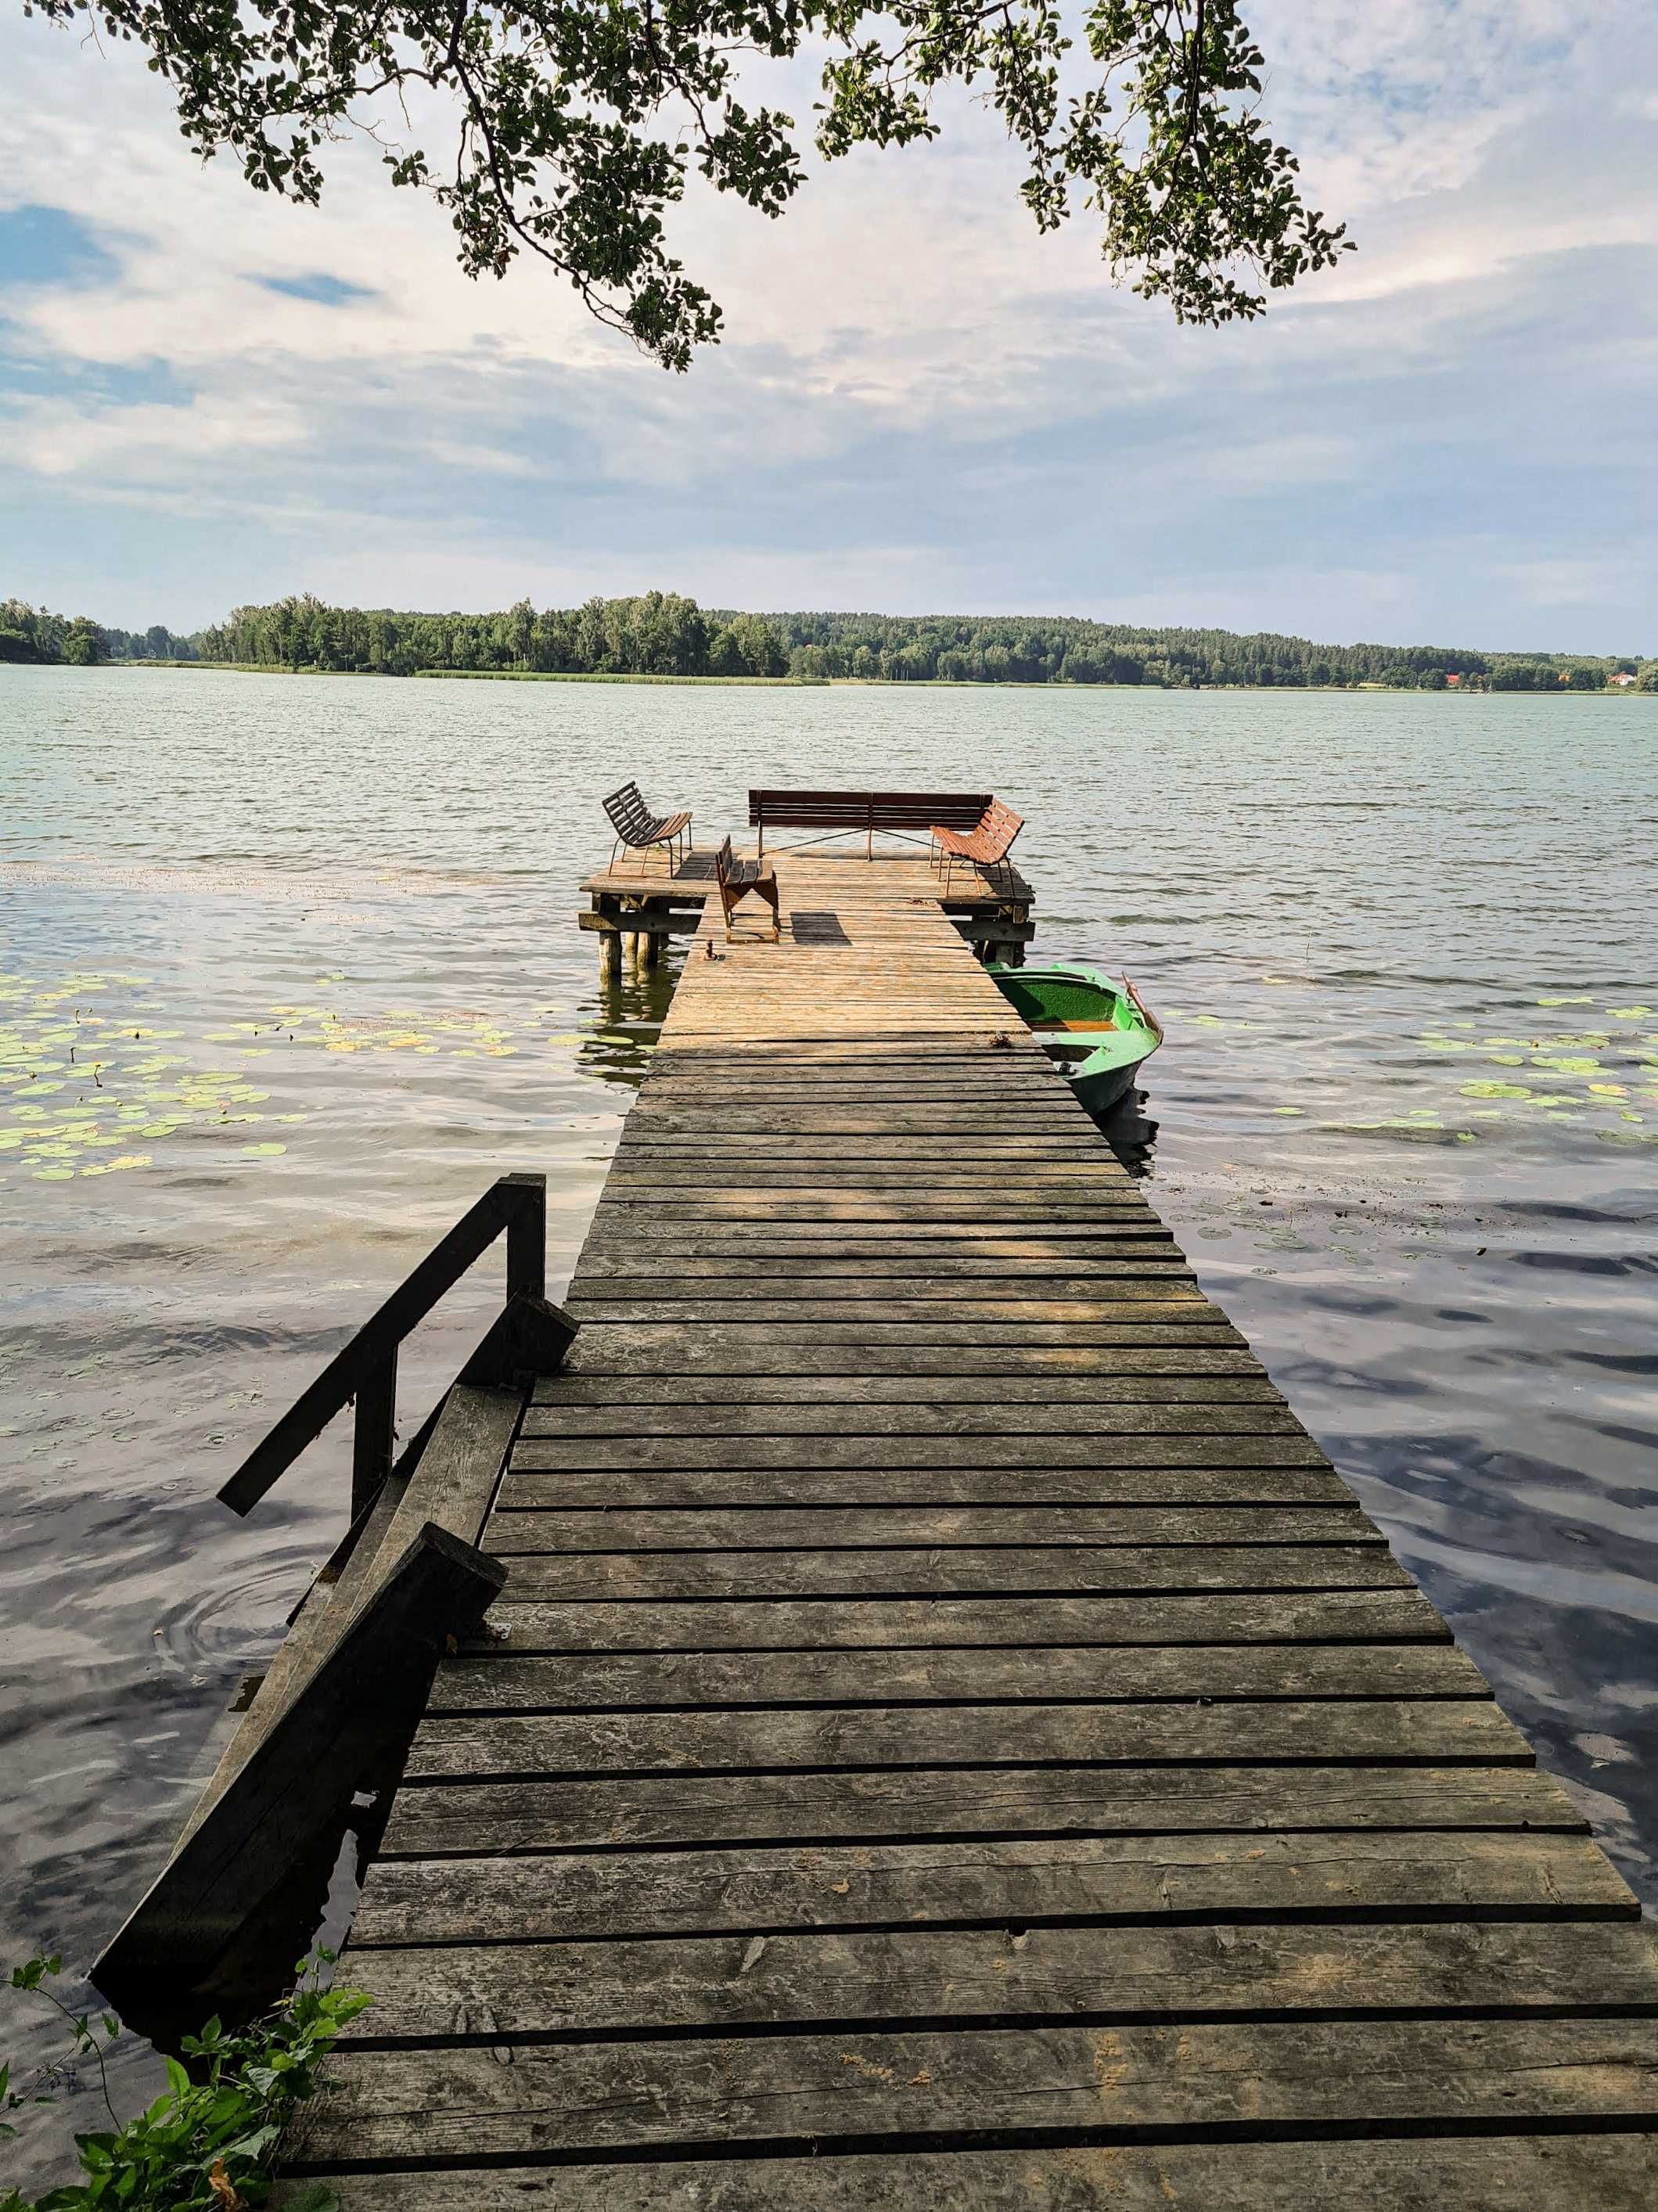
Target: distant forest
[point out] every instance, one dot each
(660, 633)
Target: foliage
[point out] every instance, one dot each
(571, 130)
(83, 644)
(35, 634)
(660, 633)
(657, 634)
(208, 2143)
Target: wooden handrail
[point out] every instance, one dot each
(366, 1369)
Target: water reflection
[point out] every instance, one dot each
(624, 1020)
(1131, 1134)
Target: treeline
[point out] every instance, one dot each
(662, 633)
(657, 634)
(1017, 649)
(35, 634)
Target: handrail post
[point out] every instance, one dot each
(526, 1237)
(372, 1435)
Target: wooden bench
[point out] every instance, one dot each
(985, 846)
(737, 879)
(904, 813)
(636, 826)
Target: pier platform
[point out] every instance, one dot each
(949, 1737)
(643, 902)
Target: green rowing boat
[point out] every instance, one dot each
(1098, 1033)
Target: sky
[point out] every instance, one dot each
(209, 397)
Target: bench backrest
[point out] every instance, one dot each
(997, 830)
(867, 809)
(725, 867)
(630, 817)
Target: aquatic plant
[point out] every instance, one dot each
(208, 2143)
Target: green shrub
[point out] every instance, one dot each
(208, 2144)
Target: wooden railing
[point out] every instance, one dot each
(406, 1580)
(366, 1370)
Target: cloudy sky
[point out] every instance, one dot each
(207, 396)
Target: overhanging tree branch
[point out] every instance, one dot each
(577, 123)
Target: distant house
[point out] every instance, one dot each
(1621, 678)
(1452, 681)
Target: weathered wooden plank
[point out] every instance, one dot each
(660, 1232)
(1543, 2173)
(785, 1740)
(777, 1293)
(721, 1984)
(1167, 1375)
(869, 1117)
(888, 1573)
(968, 1407)
(964, 1348)
(848, 1805)
(1140, 1403)
(767, 1528)
(632, 1262)
(1062, 1180)
(1008, 1884)
(1236, 1437)
(1014, 1213)
(602, 1487)
(673, 1681)
(1399, 1613)
(1130, 1305)
(1053, 1152)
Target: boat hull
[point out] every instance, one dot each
(1100, 1035)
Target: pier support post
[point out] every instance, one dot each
(610, 956)
(526, 1240)
(372, 1440)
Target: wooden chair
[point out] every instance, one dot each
(636, 826)
(985, 846)
(737, 879)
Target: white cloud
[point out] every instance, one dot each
(144, 442)
(919, 398)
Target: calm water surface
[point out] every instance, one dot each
(289, 970)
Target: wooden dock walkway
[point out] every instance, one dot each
(949, 1737)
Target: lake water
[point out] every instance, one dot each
(289, 970)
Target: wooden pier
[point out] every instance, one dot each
(949, 1737)
(642, 903)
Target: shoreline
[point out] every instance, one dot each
(837, 683)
